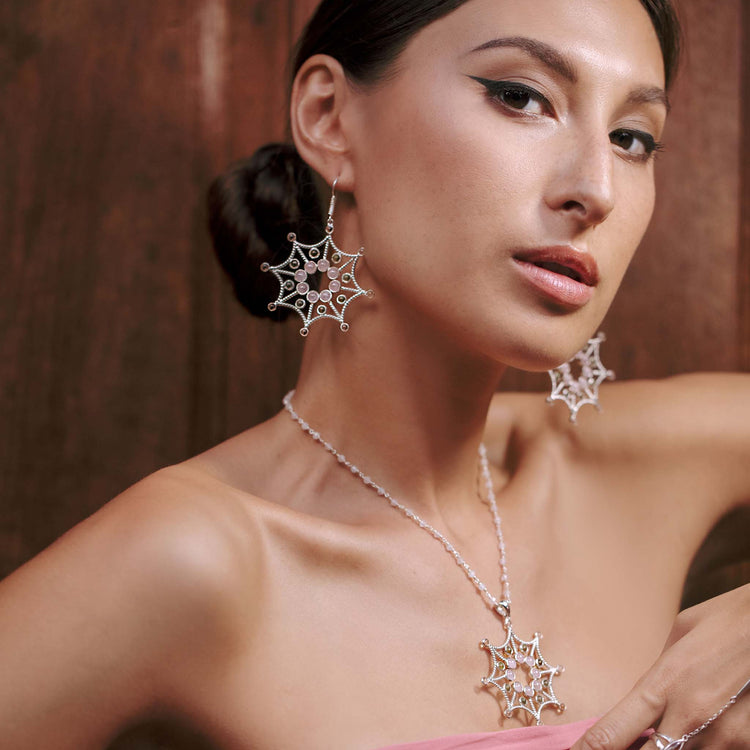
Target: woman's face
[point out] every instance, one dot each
(511, 149)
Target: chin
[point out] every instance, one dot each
(542, 351)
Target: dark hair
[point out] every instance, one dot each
(260, 200)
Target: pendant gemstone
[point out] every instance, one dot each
(528, 687)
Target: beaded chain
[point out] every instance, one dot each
(501, 607)
(515, 658)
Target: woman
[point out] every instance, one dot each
(495, 160)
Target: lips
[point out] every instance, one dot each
(561, 273)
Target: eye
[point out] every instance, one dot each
(516, 96)
(635, 143)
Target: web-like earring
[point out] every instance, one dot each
(575, 390)
(308, 268)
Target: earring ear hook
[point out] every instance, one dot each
(331, 207)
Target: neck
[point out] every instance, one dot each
(398, 401)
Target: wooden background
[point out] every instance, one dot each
(121, 349)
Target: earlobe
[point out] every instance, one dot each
(319, 96)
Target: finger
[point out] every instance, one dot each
(684, 624)
(618, 729)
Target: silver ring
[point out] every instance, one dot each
(665, 742)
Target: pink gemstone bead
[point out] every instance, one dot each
(529, 691)
(333, 273)
(313, 296)
(510, 674)
(529, 661)
(535, 673)
(334, 286)
(300, 275)
(537, 685)
(303, 288)
(311, 267)
(325, 296)
(511, 663)
(323, 265)
(517, 686)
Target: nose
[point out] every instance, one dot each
(582, 184)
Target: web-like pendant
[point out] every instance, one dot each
(337, 285)
(522, 675)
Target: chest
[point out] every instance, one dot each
(383, 647)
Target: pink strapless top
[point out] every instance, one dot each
(560, 737)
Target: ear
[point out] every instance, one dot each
(319, 97)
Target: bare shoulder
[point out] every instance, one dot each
(709, 412)
(700, 421)
(699, 407)
(179, 530)
(193, 533)
(126, 611)
(693, 431)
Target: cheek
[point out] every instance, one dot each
(627, 224)
(437, 188)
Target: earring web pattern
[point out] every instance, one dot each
(584, 389)
(331, 267)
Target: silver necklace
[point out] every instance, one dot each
(520, 673)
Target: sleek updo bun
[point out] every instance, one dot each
(251, 209)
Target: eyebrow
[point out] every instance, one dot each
(555, 60)
(650, 95)
(543, 52)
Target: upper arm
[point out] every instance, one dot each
(677, 448)
(119, 616)
(687, 437)
(702, 423)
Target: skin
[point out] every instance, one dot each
(274, 600)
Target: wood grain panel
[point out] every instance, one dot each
(94, 304)
(743, 275)
(205, 45)
(263, 357)
(677, 311)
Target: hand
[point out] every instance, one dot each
(705, 661)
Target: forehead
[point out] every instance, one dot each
(615, 36)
